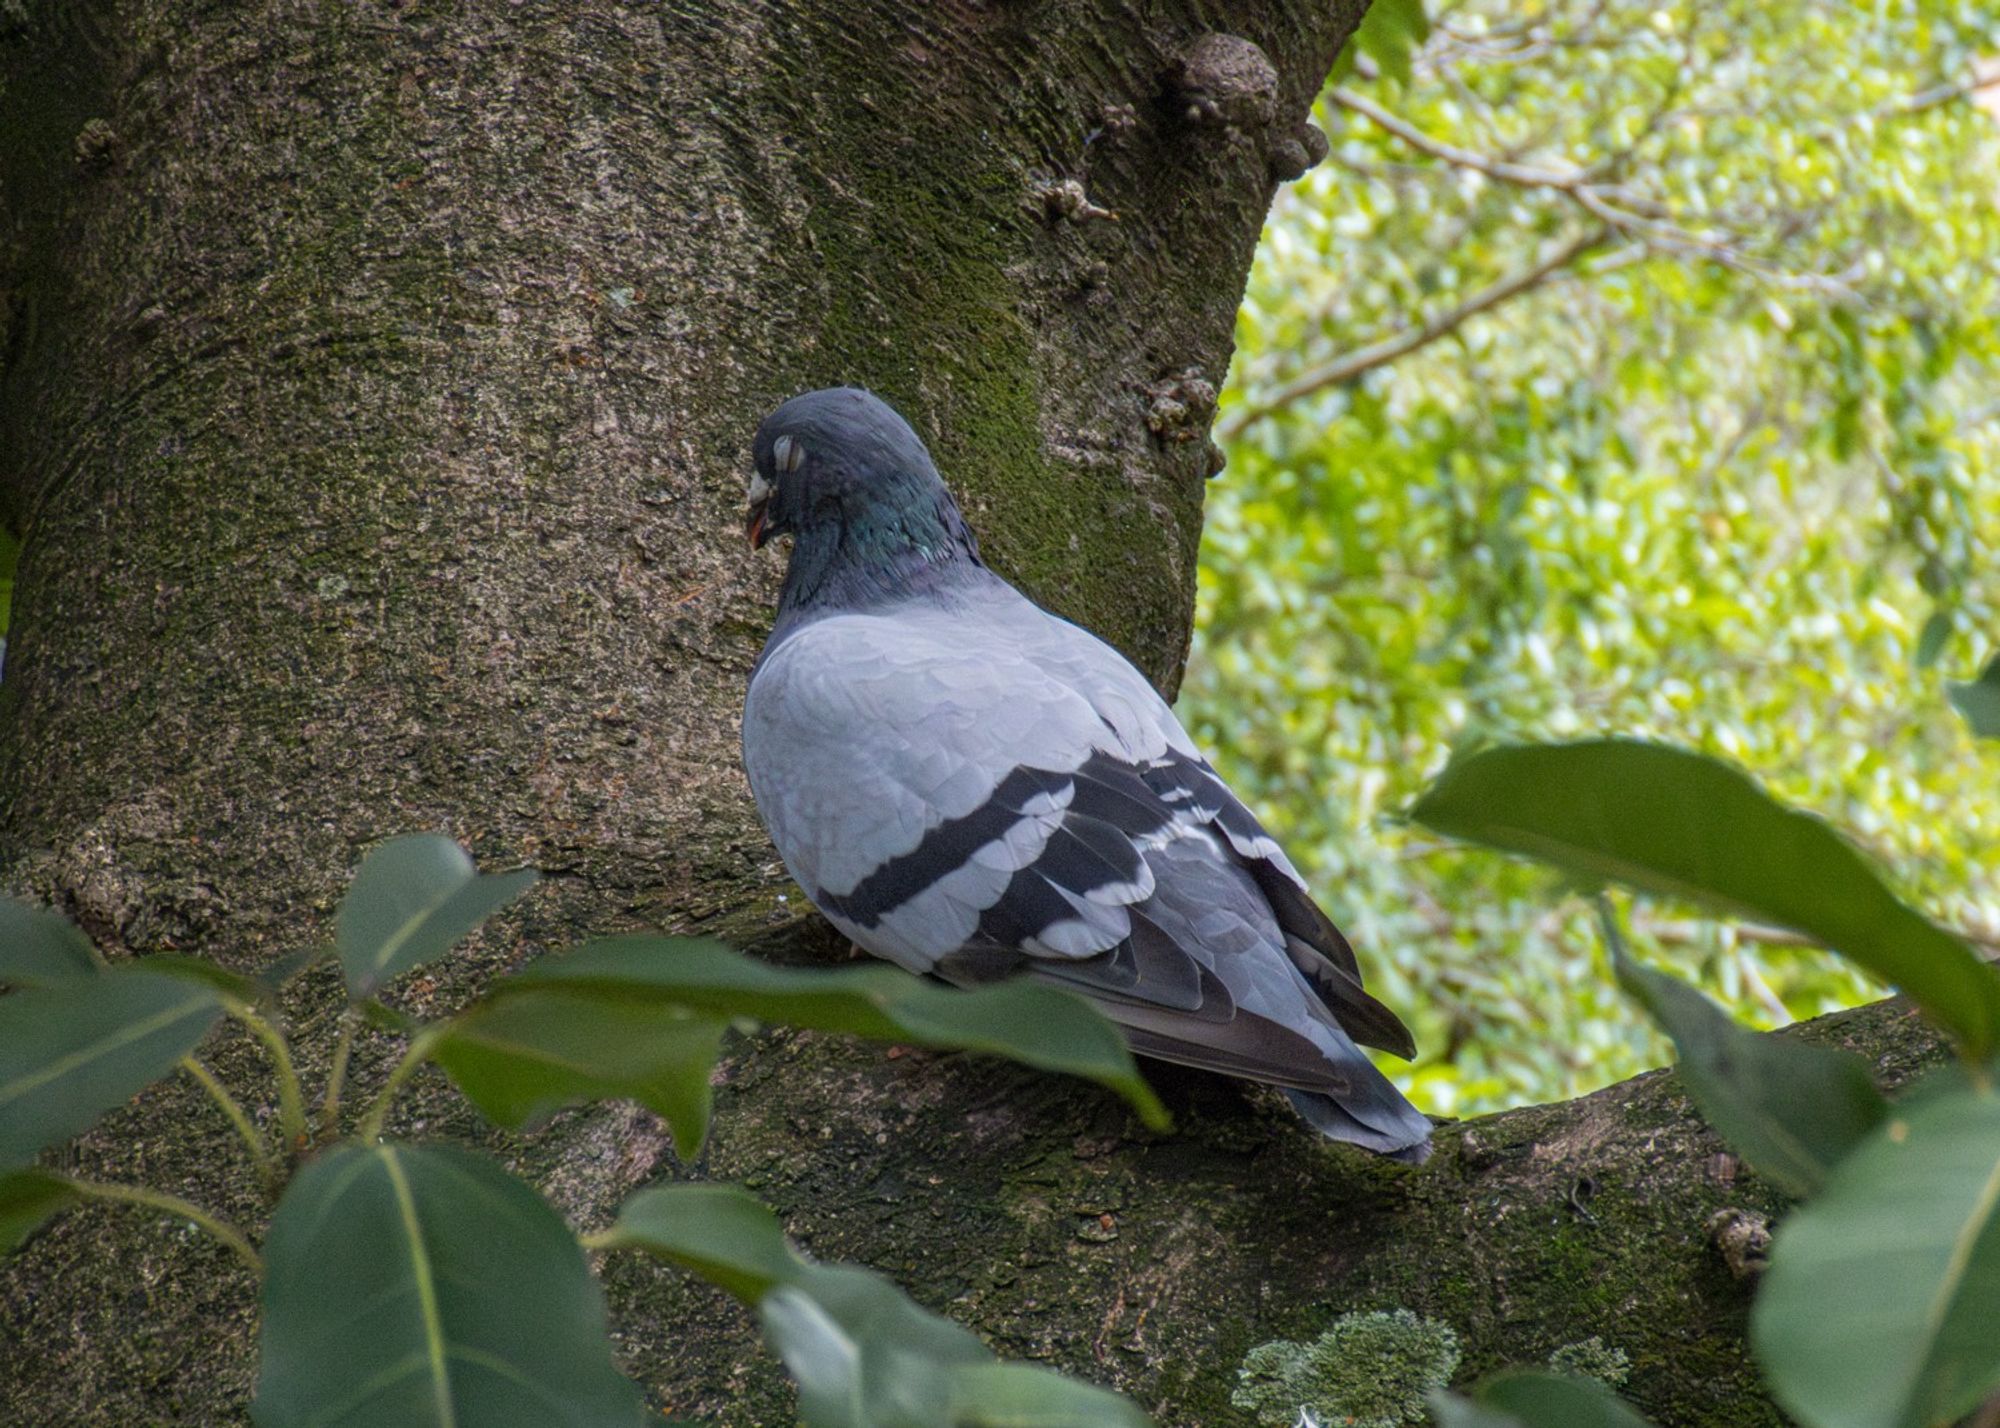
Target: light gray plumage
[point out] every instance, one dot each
(971, 787)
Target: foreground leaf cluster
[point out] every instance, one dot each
(1879, 1306)
(427, 1285)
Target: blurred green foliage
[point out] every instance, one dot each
(1712, 462)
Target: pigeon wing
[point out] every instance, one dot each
(918, 779)
(991, 792)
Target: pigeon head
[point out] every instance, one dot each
(842, 474)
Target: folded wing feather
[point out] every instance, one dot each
(993, 791)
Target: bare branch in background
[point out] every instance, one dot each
(1644, 220)
(1364, 359)
(1647, 224)
(1978, 86)
(1523, 174)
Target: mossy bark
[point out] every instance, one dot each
(378, 382)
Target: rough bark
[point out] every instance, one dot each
(378, 381)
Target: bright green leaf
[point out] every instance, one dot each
(1978, 701)
(38, 946)
(28, 1197)
(1531, 1399)
(1040, 1026)
(864, 1355)
(1791, 1109)
(1390, 33)
(523, 1056)
(1879, 1307)
(1684, 826)
(71, 1051)
(412, 899)
(425, 1287)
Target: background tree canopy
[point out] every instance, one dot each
(1630, 368)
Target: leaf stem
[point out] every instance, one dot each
(260, 1152)
(378, 1112)
(1613, 937)
(291, 1104)
(604, 1239)
(336, 1078)
(180, 1209)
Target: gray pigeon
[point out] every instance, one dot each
(973, 788)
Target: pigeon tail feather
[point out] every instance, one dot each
(1405, 1137)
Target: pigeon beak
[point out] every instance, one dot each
(756, 527)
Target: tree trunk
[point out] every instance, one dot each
(377, 392)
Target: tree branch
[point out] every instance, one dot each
(1504, 170)
(1347, 367)
(1617, 212)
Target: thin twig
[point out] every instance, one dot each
(1939, 94)
(1504, 170)
(1644, 220)
(1350, 365)
(260, 1152)
(180, 1209)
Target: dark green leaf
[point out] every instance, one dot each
(425, 1287)
(863, 1354)
(1677, 824)
(412, 899)
(1791, 1109)
(292, 964)
(1040, 1026)
(1879, 1307)
(1451, 1410)
(233, 985)
(1978, 702)
(72, 1051)
(28, 1197)
(522, 1056)
(720, 1232)
(393, 1020)
(38, 946)
(1006, 1395)
(1931, 642)
(1531, 1399)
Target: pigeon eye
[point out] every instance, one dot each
(786, 454)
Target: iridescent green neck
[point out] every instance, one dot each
(904, 537)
